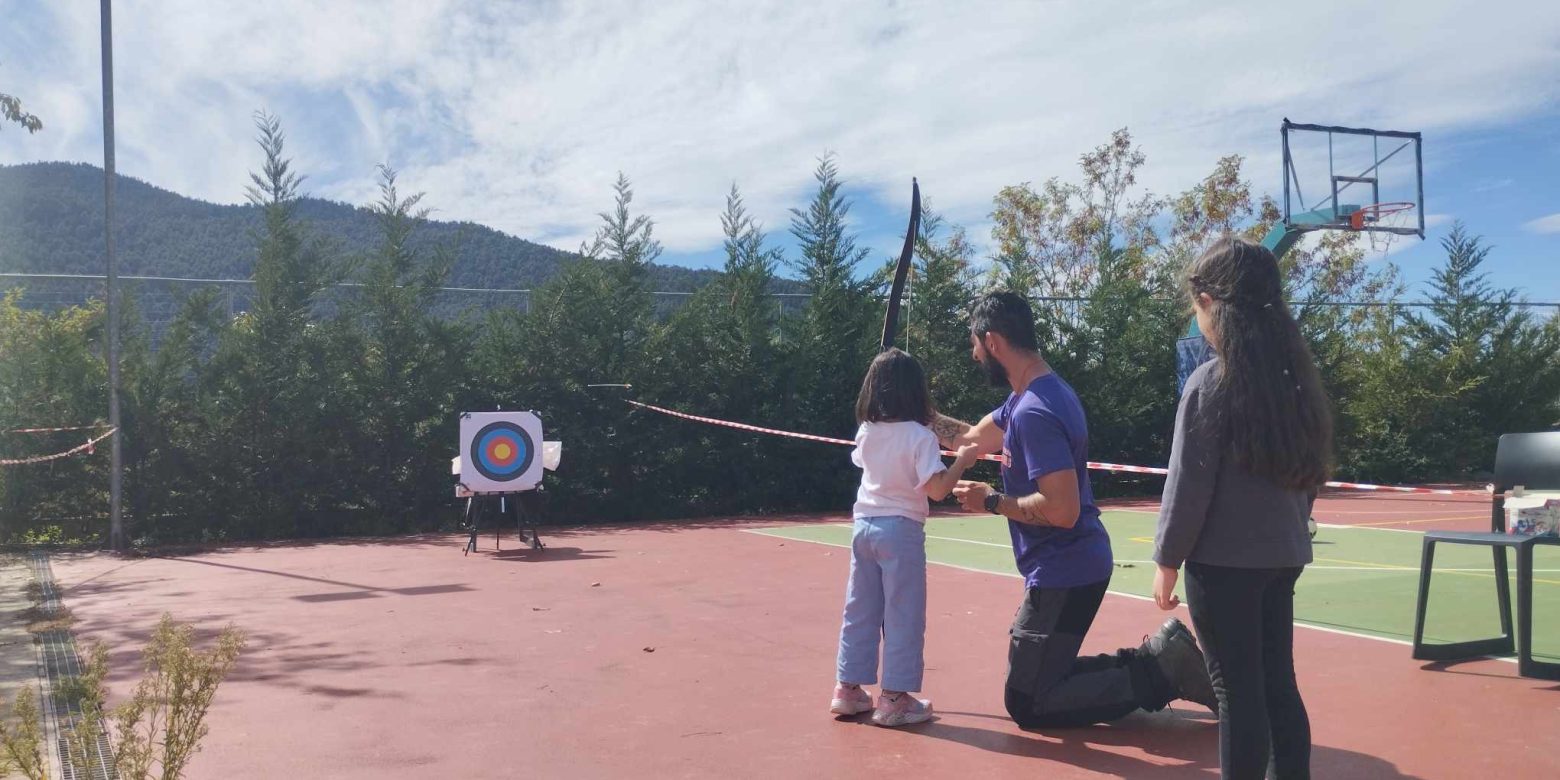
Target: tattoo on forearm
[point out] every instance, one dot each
(1031, 509)
(947, 429)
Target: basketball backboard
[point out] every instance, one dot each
(1350, 178)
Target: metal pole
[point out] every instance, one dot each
(116, 532)
(1419, 178)
(1288, 167)
(1331, 175)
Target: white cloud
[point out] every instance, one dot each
(519, 116)
(1546, 225)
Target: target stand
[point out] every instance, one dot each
(502, 456)
(503, 505)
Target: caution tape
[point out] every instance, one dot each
(772, 431)
(1093, 465)
(1402, 489)
(99, 426)
(87, 447)
(1128, 469)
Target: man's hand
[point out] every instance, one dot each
(972, 495)
(1164, 588)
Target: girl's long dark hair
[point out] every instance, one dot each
(895, 390)
(1267, 393)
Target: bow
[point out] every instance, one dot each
(902, 270)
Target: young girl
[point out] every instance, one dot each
(901, 467)
(1252, 440)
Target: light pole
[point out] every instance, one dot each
(116, 532)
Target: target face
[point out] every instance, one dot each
(502, 451)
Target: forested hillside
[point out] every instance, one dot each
(51, 221)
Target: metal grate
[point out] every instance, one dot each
(59, 661)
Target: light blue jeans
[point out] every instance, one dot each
(886, 597)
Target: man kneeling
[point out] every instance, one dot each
(1059, 543)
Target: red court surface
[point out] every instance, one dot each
(1394, 511)
(1405, 511)
(699, 650)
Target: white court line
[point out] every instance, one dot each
(1395, 569)
(1318, 524)
(1014, 575)
(1006, 546)
(1468, 514)
(1309, 567)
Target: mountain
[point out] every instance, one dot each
(51, 221)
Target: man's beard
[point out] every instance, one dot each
(994, 370)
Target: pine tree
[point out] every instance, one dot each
(1491, 368)
(276, 374)
(410, 365)
(830, 343)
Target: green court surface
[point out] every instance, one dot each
(1363, 580)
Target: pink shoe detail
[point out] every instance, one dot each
(850, 700)
(901, 710)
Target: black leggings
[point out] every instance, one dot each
(1245, 622)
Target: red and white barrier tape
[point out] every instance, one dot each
(1094, 465)
(773, 431)
(87, 447)
(57, 430)
(1129, 469)
(1403, 489)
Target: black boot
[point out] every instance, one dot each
(1175, 653)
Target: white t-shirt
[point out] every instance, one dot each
(896, 460)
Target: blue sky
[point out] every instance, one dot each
(519, 115)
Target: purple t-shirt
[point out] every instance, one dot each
(1043, 431)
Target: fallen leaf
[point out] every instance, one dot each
(649, 649)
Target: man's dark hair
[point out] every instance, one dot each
(894, 390)
(1007, 314)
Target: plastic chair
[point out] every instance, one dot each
(1531, 460)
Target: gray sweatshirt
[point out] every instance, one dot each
(1214, 511)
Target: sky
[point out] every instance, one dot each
(520, 115)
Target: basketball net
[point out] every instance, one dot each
(1395, 216)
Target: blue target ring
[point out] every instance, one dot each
(502, 451)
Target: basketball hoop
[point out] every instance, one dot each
(1373, 214)
(1381, 223)
(1342, 168)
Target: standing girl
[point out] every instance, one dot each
(1253, 437)
(901, 467)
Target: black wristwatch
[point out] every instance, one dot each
(992, 500)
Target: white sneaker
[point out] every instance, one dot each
(850, 700)
(901, 710)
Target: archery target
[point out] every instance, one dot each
(500, 452)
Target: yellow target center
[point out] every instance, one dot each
(502, 451)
